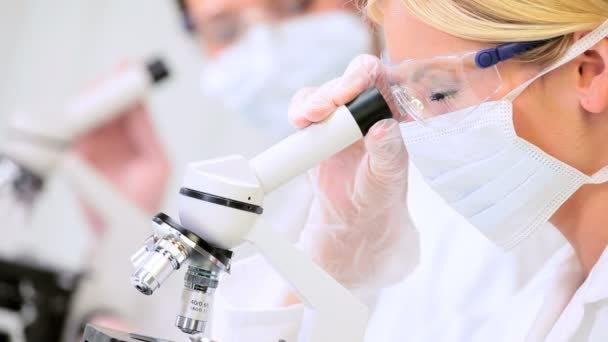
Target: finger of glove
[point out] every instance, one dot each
(310, 105)
(382, 174)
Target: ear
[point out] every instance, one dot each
(592, 77)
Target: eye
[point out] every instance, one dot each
(444, 95)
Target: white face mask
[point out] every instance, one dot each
(258, 76)
(505, 186)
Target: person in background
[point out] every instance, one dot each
(260, 52)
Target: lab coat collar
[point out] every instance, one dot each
(595, 287)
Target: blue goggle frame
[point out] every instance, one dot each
(492, 56)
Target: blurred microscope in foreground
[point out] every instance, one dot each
(35, 296)
(34, 301)
(35, 144)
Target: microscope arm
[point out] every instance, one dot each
(339, 315)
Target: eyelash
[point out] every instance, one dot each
(442, 96)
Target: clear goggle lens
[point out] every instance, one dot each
(426, 89)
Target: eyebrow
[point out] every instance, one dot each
(420, 72)
(219, 16)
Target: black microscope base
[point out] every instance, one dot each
(97, 334)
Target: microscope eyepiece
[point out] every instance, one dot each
(369, 108)
(158, 70)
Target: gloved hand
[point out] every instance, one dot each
(358, 228)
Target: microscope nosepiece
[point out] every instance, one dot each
(168, 249)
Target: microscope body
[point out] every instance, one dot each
(221, 203)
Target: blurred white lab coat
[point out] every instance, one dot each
(464, 289)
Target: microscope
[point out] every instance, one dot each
(221, 207)
(34, 296)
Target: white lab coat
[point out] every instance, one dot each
(464, 289)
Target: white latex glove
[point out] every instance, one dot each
(358, 229)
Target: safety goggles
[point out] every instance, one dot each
(427, 88)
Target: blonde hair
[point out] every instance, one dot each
(502, 21)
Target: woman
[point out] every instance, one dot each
(510, 136)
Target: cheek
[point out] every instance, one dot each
(529, 118)
(537, 121)
(548, 123)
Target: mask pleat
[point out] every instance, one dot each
(501, 185)
(515, 215)
(480, 172)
